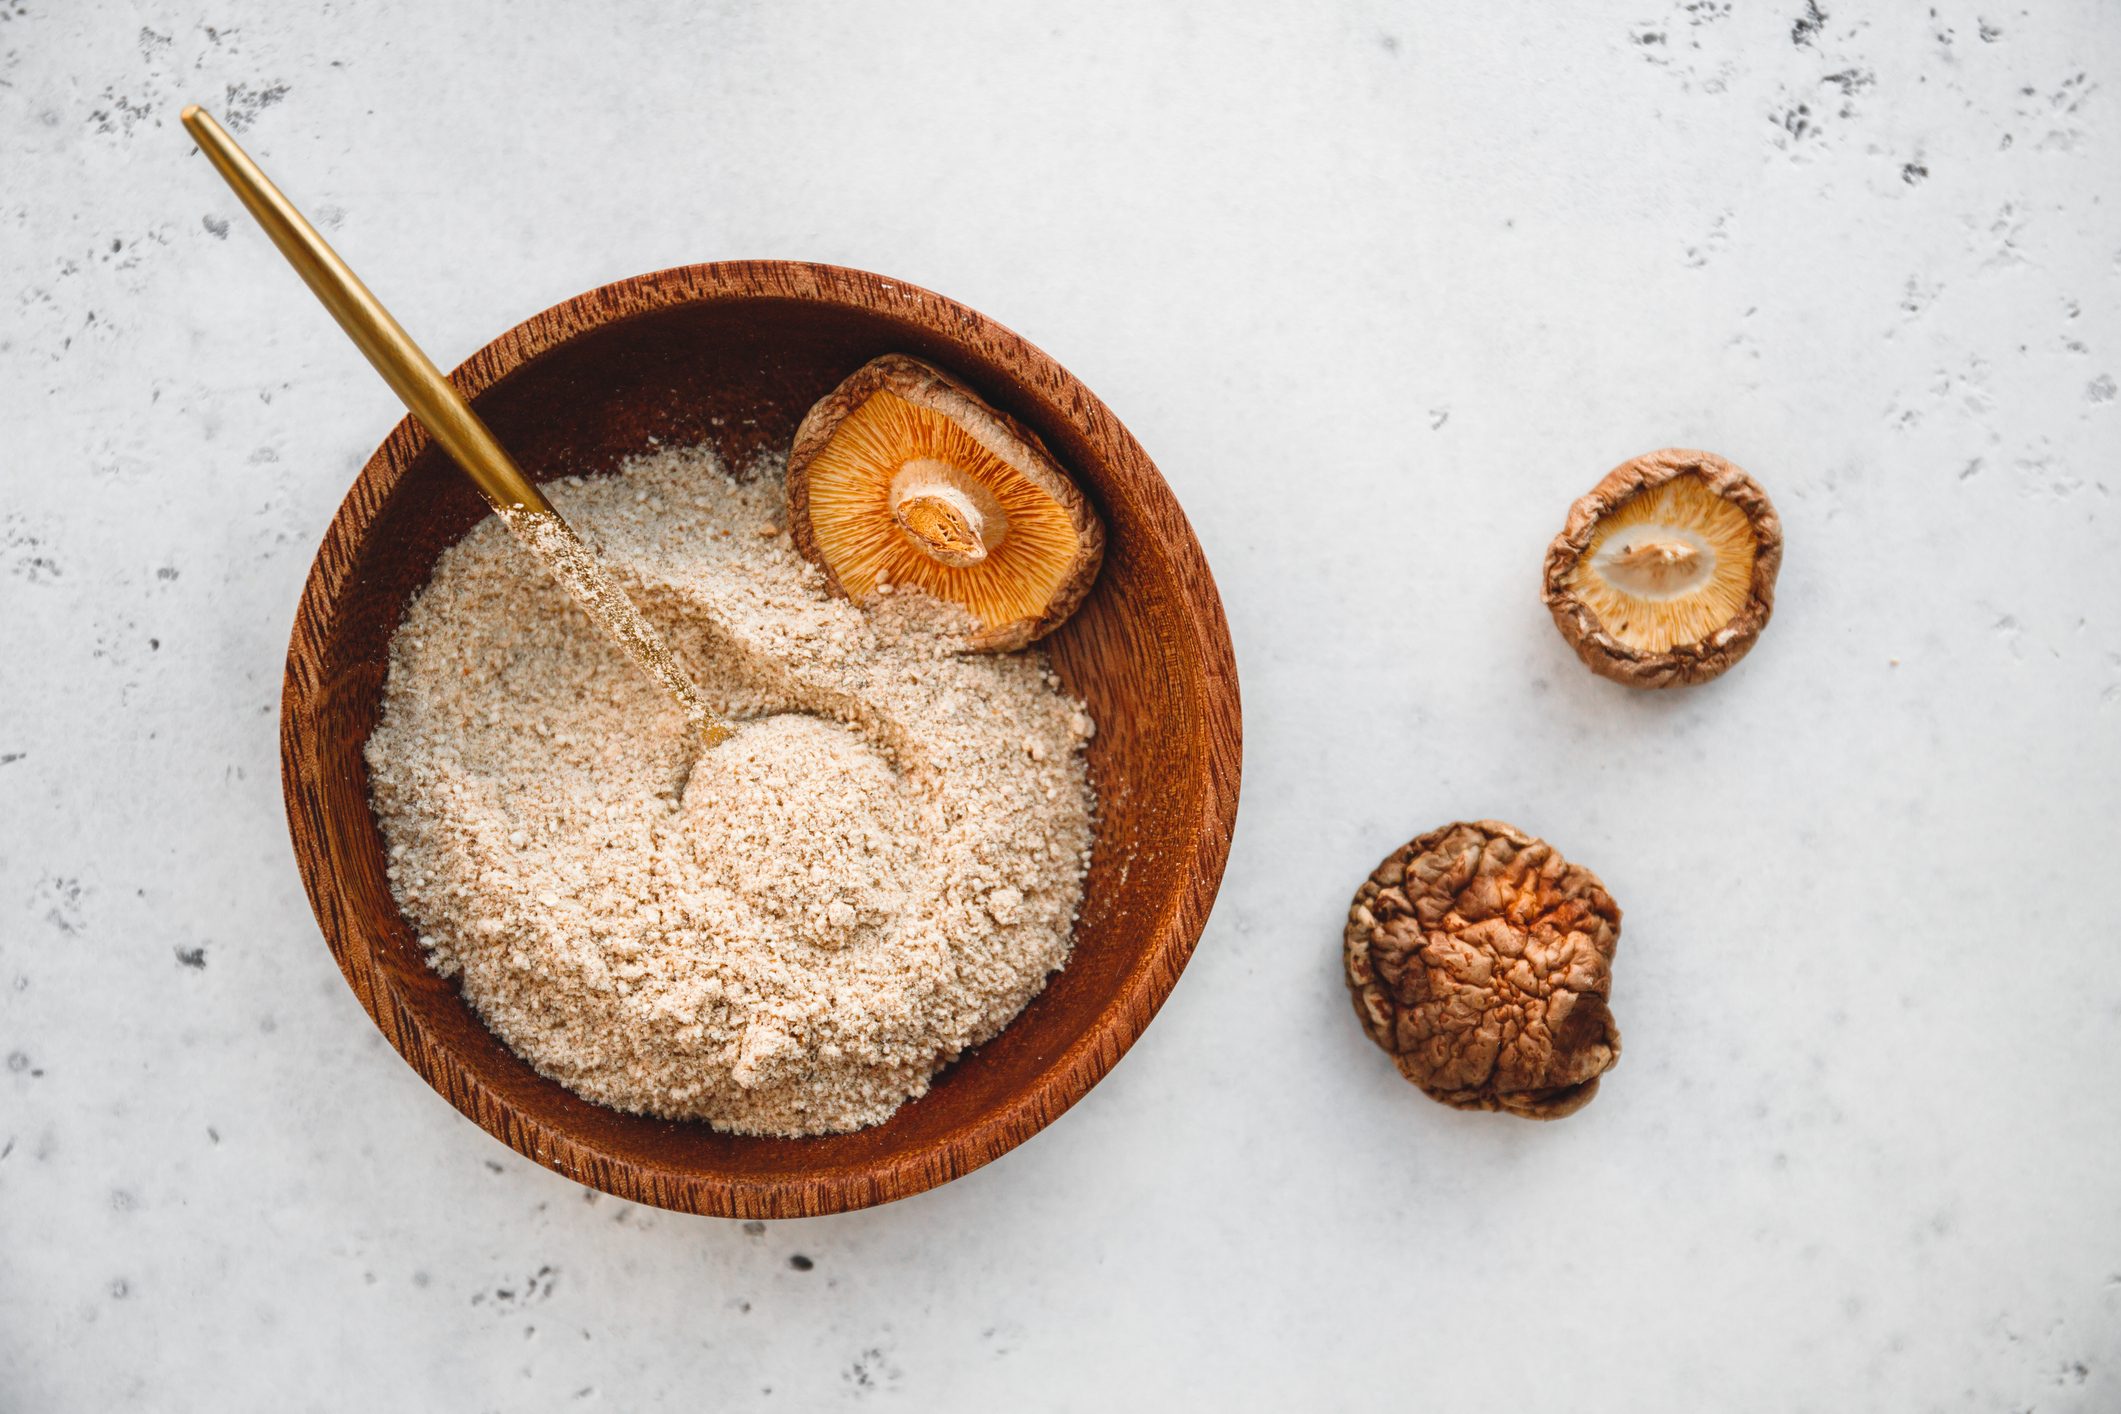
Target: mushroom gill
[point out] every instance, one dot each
(903, 477)
(1664, 574)
(1669, 565)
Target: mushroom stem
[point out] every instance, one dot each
(947, 515)
(1656, 565)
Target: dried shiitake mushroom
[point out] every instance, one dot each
(1665, 572)
(1482, 961)
(901, 476)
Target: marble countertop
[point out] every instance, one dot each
(1382, 288)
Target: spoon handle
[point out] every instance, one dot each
(432, 398)
(441, 409)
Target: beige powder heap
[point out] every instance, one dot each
(788, 934)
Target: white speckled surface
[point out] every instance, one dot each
(1382, 288)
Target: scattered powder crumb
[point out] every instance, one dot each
(788, 934)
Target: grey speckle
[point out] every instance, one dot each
(801, 1263)
(533, 1290)
(1851, 82)
(870, 1370)
(38, 569)
(64, 912)
(119, 114)
(754, 1229)
(194, 958)
(1913, 172)
(2100, 389)
(9, 758)
(215, 227)
(1805, 29)
(245, 103)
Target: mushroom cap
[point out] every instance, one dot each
(994, 524)
(1481, 961)
(1664, 574)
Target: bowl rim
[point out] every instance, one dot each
(1122, 1017)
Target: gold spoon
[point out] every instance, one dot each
(441, 409)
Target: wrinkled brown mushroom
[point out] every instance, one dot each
(1664, 574)
(1481, 961)
(901, 476)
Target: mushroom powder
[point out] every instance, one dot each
(788, 934)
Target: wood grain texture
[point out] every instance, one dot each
(733, 355)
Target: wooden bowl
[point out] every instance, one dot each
(732, 355)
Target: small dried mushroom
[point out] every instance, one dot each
(1481, 961)
(1665, 572)
(902, 477)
